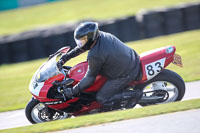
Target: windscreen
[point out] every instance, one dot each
(48, 70)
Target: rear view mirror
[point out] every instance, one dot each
(63, 50)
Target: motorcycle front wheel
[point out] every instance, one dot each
(170, 85)
(37, 112)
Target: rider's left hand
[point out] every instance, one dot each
(68, 92)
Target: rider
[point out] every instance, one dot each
(109, 57)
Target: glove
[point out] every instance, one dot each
(60, 63)
(68, 92)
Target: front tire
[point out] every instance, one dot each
(29, 107)
(37, 112)
(161, 81)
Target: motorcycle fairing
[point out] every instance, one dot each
(162, 56)
(78, 72)
(152, 62)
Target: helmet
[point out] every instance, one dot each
(86, 34)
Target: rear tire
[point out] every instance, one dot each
(170, 77)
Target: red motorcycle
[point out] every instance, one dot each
(48, 103)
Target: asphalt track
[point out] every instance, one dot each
(17, 118)
(179, 122)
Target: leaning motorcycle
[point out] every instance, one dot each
(159, 85)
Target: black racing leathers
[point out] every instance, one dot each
(109, 57)
(113, 59)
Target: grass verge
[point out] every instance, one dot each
(15, 78)
(15, 21)
(95, 119)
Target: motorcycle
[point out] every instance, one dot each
(159, 85)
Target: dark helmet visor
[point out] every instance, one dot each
(81, 41)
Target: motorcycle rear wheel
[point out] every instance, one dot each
(167, 80)
(36, 112)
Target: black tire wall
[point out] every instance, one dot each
(40, 43)
(31, 104)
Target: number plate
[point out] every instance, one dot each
(153, 68)
(177, 60)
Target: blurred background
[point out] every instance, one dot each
(32, 30)
(13, 4)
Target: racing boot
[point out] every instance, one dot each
(135, 96)
(114, 103)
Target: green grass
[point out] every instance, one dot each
(15, 78)
(88, 120)
(19, 20)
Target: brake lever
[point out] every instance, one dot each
(59, 90)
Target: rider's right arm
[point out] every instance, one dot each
(94, 67)
(73, 53)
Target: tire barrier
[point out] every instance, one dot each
(35, 49)
(18, 51)
(35, 44)
(192, 16)
(109, 26)
(152, 23)
(40, 43)
(4, 53)
(173, 20)
(128, 29)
